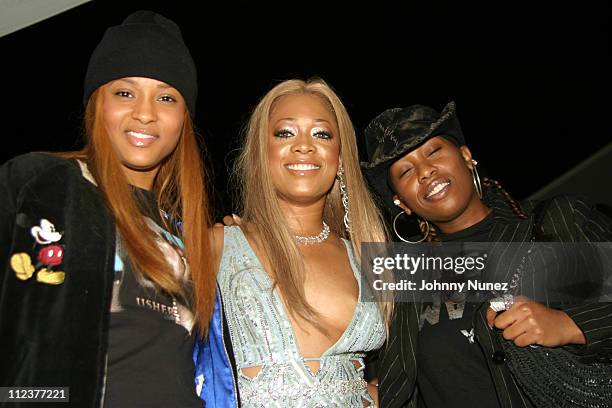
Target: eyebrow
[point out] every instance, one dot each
(131, 81)
(316, 120)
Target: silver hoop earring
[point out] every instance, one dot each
(345, 199)
(402, 238)
(476, 178)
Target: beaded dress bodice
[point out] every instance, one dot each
(262, 336)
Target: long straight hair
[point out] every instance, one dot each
(181, 193)
(261, 213)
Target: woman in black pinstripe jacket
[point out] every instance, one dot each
(417, 159)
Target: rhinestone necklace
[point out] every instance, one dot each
(314, 239)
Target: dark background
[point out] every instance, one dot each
(531, 85)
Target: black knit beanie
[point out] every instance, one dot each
(147, 45)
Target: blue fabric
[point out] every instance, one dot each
(213, 372)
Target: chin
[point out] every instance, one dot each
(301, 197)
(442, 213)
(142, 165)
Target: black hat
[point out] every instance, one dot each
(395, 132)
(147, 45)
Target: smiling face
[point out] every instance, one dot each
(144, 120)
(435, 181)
(303, 148)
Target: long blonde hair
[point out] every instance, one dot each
(259, 207)
(181, 193)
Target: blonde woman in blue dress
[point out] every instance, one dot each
(289, 274)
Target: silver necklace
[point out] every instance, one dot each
(314, 239)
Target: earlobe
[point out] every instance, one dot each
(400, 204)
(467, 156)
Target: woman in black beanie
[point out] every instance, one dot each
(441, 350)
(104, 251)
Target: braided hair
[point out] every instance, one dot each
(515, 205)
(431, 235)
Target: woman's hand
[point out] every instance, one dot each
(528, 322)
(373, 391)
(229, 220)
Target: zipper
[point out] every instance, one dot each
(225, 348)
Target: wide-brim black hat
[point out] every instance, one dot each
(396, 132)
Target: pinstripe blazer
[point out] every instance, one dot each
(566, 219)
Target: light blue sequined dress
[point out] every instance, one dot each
(262, 335)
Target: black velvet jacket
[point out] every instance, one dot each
(566, 219)
(56, 278)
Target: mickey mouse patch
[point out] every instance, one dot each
(50, 255)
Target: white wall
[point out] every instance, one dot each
(17, 14)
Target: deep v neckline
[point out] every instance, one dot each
(284, 312)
